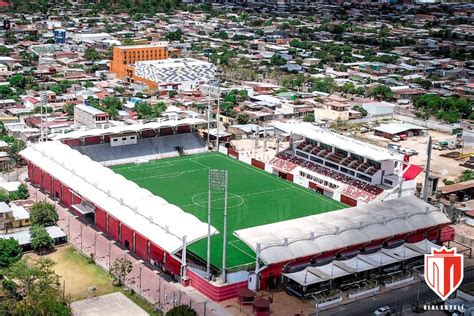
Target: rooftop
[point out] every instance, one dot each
(351, 145)
(313, 234)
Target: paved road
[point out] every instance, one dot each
(401, 297)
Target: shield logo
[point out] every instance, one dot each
(444, 271)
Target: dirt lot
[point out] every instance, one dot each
(445, 168)
(78, 274)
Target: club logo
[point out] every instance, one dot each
(444, 271)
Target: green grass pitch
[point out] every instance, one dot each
(255, 198)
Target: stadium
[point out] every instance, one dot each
(146, 187)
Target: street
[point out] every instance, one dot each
(402, 297)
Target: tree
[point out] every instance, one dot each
(325, 84)
(360, 109)
(174, 36)
(278, 60)
(14, 148)
(308, 117)
(91, 54)
(120, 269)
(147, 111)
(4, 196)
(40, 239)
(44, 214)
(6, 92)
(111, 105)
(382, 92)
(22, 192)
(36, 290)
(172, 93)
(21, 81)
(69, 109)
(181, 310)
(10, 252)
(243, 118)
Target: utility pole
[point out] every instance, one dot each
(427, 171)
(44, 104)
(209, 115)
(218, 112)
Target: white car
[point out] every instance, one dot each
(382, 311)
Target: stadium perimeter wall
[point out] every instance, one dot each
(151, 252)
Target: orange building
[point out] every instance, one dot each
(124, 56)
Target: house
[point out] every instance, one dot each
(85, 115)
(13, 216)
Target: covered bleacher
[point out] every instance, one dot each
(356, 189)
(145, 148)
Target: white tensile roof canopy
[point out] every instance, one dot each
(306, 236)
(149, 215)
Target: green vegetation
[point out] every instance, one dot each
(174, 36)
(40, 239)
(182, 310)
(43, 214)
(146, 110)
(360, 109)
(326, 84)
(450, 109)
(232, 99)
(111, 105)
(382, 93)
(32, 288)
(120, 269)
(308, 117)
(243, 118)
(91, 54)
(255, 198)
(10, 252)
(278, 60)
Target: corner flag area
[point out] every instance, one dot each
(255, 198)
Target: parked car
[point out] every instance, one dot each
(382, 311)
(396, 138)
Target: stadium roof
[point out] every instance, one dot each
(314, 234)
(151, 216)
(128, 128)
(339, 141)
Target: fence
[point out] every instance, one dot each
(144, 279)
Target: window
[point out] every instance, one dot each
(316, 159)
(299, 153)
(124, 138)
(389, 182)
(363, 177)
(133, 137)
(115, 139)
(331, 165)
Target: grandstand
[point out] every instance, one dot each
(340, 167)
(153, 201)
(145, 149)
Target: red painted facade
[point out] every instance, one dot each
(347, 200)
(141, 246)
(149, 251)
(126, 236)
(258, 164)
(101, 219)
(113, 227)
(215, 293)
